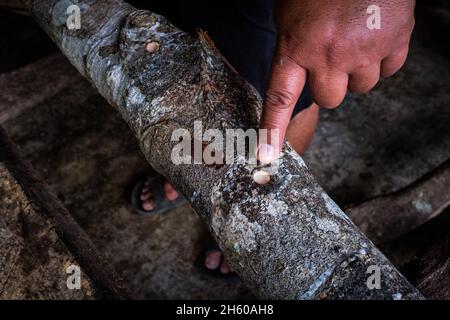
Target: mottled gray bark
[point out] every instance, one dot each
(286, 239)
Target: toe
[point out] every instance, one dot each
(148, 205)
(224, 267)
(171, 193)
(146, 195)
(212, 260)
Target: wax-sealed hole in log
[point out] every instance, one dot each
(152, 46)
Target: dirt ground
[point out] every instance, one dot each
(374, 144)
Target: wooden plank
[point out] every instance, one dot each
(22, 88)
(40, 238)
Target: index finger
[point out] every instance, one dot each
(286, 82)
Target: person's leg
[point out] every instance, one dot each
(167, 8)
(302, 127)
(245, 33)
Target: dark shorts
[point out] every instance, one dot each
(243, 30)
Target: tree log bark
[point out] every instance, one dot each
(287, 239)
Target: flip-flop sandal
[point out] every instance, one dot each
(162, 204)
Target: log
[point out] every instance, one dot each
(390, 216)
(33, 259)
(14, 6)
(382, 218)
(25, 89)
(45, 227)
(287, 239)
(433, 270)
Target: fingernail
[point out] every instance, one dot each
(266, 153)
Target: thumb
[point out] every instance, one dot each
(286, 82)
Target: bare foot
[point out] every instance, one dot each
(215, 260)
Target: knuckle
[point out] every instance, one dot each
(329, 102)
(363, 86)
(288, 41)
(359, 89)
(333, 47)
(328, 92)
(331, 106)
(279, 99)
(388, 72)
(365, 61)
(333, 54)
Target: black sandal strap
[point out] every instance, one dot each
(162, 205)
